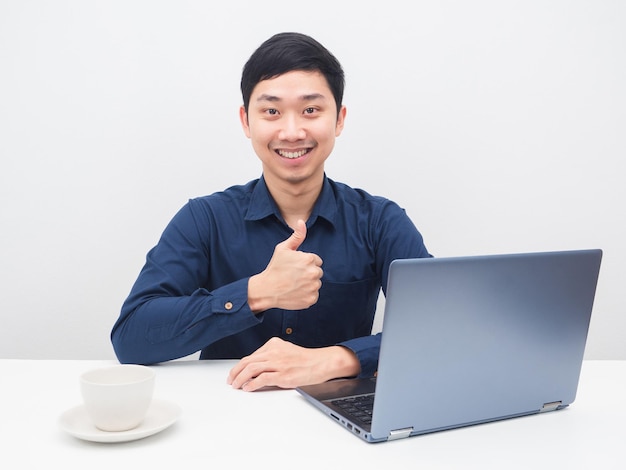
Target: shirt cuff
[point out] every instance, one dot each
(231, 298)
(366, 349)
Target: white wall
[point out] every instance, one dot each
(500, 126)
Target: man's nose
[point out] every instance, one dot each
(292, 129)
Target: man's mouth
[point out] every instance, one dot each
(291, 154)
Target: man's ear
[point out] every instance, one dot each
(341, 117)
(243, 117)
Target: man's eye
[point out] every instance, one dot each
(309, 110)
(272, 112)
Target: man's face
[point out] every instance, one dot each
(292, 122)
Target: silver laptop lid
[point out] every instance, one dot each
(474, 339)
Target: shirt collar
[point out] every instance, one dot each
(262, 204)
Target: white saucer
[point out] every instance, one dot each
(161, 415)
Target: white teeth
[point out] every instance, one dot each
(297, 154)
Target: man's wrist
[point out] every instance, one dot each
(346, 363)
(256, 301)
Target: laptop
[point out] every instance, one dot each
(470, 340)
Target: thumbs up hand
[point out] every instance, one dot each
(296, 238)
(292, 278)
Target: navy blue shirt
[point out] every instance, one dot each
(192, 292)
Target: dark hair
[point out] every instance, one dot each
(285, 52)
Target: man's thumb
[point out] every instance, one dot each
(297, 237)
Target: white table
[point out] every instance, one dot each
(225, 428)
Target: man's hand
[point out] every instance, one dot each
(282, 364)
(291, 280)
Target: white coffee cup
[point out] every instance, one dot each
(117, 398)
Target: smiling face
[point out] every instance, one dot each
(292, 122)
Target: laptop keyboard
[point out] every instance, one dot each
(359, 407)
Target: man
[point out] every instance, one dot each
(283, 272)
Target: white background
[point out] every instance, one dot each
(500, 126)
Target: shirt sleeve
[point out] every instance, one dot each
(168, 314)
(366, 350)
(394, 236)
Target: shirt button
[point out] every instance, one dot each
(228, 305)
(289, 331)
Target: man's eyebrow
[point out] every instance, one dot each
(307, 97)
(266, 97)
(312, 97)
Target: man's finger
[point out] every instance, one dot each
(297, 237)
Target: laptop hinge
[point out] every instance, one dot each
(399, 434)
(550, 406)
